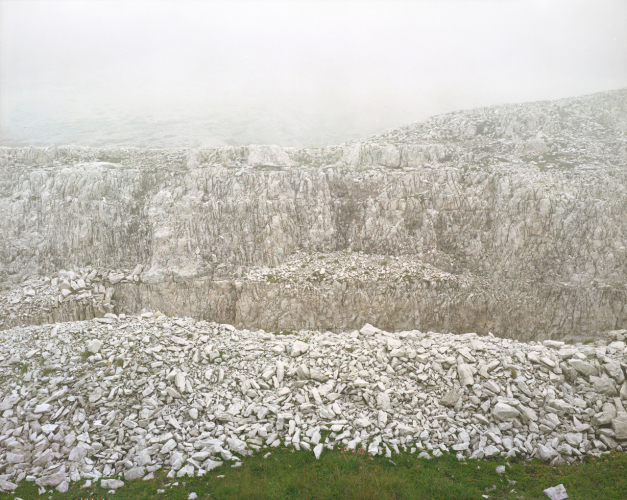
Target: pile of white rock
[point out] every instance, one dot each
(316, 267)
(40, 297)
(130, 395)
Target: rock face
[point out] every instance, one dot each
(507, 219)
(187, 396)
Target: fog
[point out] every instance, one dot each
(191, 73)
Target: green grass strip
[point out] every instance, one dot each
(348, 475)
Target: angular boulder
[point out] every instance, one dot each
(604, 385)
(505, 412)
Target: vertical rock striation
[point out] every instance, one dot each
(526, 202)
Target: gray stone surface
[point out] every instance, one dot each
(486, 222)
(556, 492)
(111, 484)
(7, 485)
(135, 473)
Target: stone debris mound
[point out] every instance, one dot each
(51, 299)
(121, 397)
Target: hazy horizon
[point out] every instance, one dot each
(191, 73)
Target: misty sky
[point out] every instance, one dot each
(189, 73)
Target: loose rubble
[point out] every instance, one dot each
(90, 290)
(115, 399)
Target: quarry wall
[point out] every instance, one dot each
(527, 202)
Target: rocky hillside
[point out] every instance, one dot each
(507, 219)
(117, 398)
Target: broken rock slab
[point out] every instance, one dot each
(505, 412)
(7, 485)
(299, 348)
(368, 330)
(464, 371)
(556, 492)
(135, 473)
(94, 346)
(451, 398)
(111, 484)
